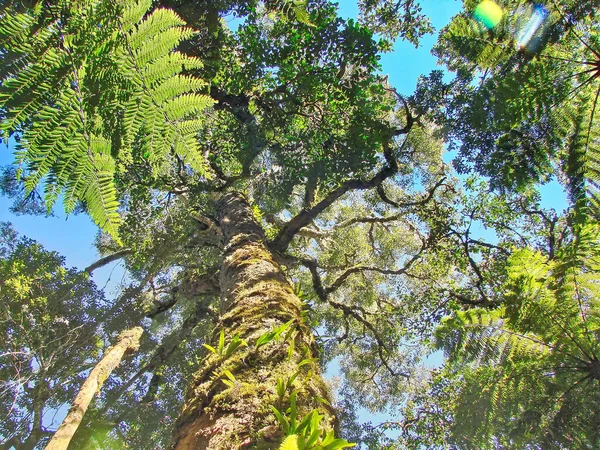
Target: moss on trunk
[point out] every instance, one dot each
(255, 298)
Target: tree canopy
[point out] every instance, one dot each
(280, 207)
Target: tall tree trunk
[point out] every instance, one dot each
(256, 298)
(127, 342)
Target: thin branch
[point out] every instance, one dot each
(357, 312)
(352, 312)
(421, 202)
(356, 269)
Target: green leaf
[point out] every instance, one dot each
(264, 339)
(279, 330)
(338, 443)
(210, 348)
(303, 16)
(284, 423)
(280, 388)
(292, 411)
(290, 443)
(290, 380)
(305, 362)
(229, 375)
(235, 343)
(315, 431)
(221, 346)
(323, 400)
(291, 348)
(306, 421)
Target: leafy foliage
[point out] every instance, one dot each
(89, 82)
(395, 19)
(521, 109)
(306, 434)
(48, 336)
(527, 371)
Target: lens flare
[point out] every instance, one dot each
(525, 37)
(488, 13)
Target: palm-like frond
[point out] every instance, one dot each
(527, 366)
(69, 85)
(533, 110)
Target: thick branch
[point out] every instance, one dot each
(318, 234)
(421, 202)
(464, 300)
(238, 105)
(287, 233)
(310, 189)
(190, 287)
(108, 259)
(312, 266)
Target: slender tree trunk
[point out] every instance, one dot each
(255, 299)
(127, 342)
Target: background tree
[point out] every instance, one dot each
(50, 340)
(524, 373)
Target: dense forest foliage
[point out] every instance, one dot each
(280, 208)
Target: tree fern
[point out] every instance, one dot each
(95, 70)
(533, 109)
(520, 363)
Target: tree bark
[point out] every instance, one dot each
(127, 342)
(256, 298)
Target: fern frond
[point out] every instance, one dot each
(167, 66)
(101, 195)
(160, 45)
(67, 80)
(78, 176)
(133, 13)
(159, 21)
(186, 105)
(166, 100)
(175, 86)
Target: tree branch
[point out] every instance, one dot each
(238, 105)
(421, 202)
(162, 352)
(357, 312)
(356, 269)
(190, 287)
(291, 228)
(353, 311)
(108, 259)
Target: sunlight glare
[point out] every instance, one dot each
(488, 13)
(525, 35)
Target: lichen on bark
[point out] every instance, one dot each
(256, 298)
